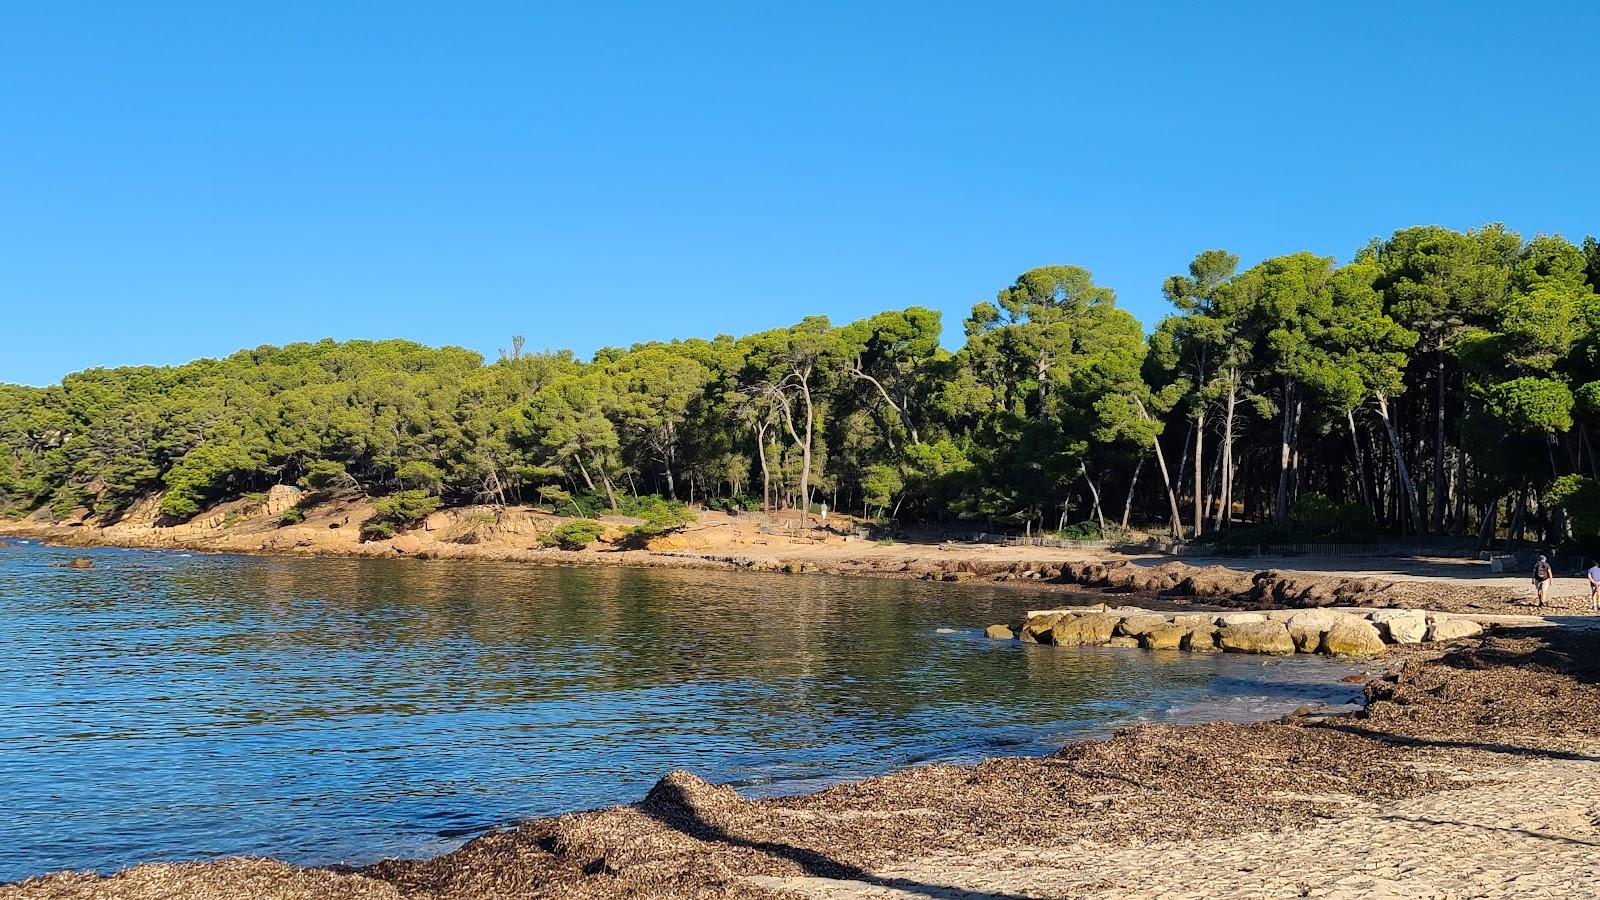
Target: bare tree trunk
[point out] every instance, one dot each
(1409, 490)
(1286, 439)
(766, 474)
(611, 495)
(1491, 518)
(1166, 479)
(1095, 493)
(1127, 507)
(805, 453)
(902, 412)
(586, 479)
(1214, 495)
(1458, 528)
(1199, 471)
(1438, 440)
(1361, 463)
(1225, 508)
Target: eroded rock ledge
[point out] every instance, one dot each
(1333, 631)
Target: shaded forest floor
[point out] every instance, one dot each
(1471, 773)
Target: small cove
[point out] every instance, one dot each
(172, 706)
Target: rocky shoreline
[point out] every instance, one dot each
(453, 535)
(1331, 631)
(1233, 804)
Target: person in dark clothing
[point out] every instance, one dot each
(1542, 576)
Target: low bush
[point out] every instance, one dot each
(405, 508)
(294, 515)
(396, 512)
(1081, 531)
(576, 535)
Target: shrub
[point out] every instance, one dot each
(324, 475)
(1314, 514)
(1081, 531)
(735, 504)
(656, 512)
(399, 510)
(421, 475)
(294, 515)
(576, 535)
(405, 508)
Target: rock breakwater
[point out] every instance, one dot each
(1332, 631)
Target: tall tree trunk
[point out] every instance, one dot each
(901, 411)
(1491, 518)
(1199, 471)
(1127, 507)
(1361, 464)
(1225, 508)
(1095, 493)
(1285, 449)
(766, 475)
(1166, 478)
(1438, 439)
(805, 453)
(1214, 493)
(577, 458)
(1409, 490)
(1458, 527)
(611, 495)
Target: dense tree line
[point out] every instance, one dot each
(1439, 383)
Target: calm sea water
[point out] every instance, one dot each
(171, 706)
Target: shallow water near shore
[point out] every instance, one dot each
(164, 706)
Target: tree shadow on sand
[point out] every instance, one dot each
(676, 803)
(1400, 740)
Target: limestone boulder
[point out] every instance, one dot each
(406, 543)
(998, 633)
(1240, 618)
(1200, 640)
(1092, 630)
(1449, 628)
(1163, 637)
(1401, 626)
(1352, 636)
(1271, 638)
(1307, 626)
(1195, 620)
(1135, 625)
(1123, 641)
(1037, 628)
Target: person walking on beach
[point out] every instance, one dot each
(1594, 585)
(1541, 578)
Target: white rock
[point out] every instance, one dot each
(1401, 626)
(1307, 626)
(1240, 618)
(1451, 628)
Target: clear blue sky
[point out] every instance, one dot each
(182, 180)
